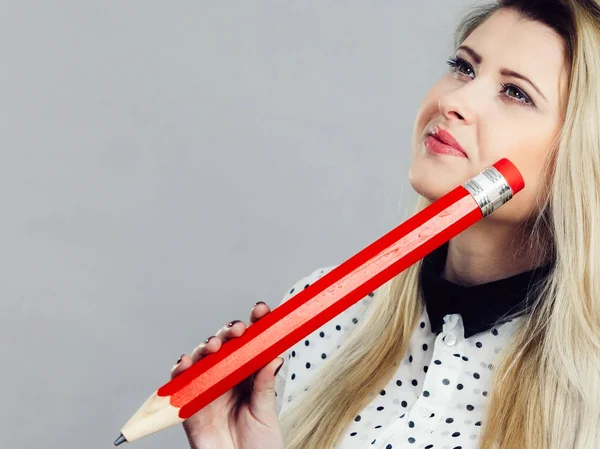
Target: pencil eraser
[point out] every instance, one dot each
(511, 174)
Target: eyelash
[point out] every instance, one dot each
(454, 62)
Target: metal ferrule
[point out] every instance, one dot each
(490, 189)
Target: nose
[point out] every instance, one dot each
(456, 105)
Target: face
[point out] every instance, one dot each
(491, 121)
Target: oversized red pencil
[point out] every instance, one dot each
(326, 298)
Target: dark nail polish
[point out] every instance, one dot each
(232, 323)
(207, 340)
(277, 370)
(180, 359)
(260, 302)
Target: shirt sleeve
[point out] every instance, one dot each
(282, 375)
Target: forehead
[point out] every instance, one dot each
(533, 49)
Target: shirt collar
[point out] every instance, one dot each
(481, 306)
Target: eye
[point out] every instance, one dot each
(456, 64)
(522, 97)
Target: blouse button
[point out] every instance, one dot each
(449, 339)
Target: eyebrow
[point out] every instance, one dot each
(503, 71)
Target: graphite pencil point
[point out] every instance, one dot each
(120, 440)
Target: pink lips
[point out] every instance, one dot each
(441, 141)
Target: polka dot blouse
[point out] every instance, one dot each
(437, 397)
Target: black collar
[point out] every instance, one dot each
(481, 306)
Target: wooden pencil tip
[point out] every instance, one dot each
(120, 440)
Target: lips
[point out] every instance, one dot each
(445, 137)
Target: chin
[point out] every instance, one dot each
(428, 182)
(428, 193)
(425, 187)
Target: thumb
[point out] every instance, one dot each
(263, 394)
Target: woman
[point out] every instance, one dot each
(515, 293)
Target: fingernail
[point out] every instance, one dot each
(179, 360)
(260, 302)
(277, 370)
(232, 323)
(208, 339)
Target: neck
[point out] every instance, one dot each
(487, 252)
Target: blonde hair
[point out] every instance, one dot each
(545, 388)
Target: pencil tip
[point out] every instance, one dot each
(120, 440)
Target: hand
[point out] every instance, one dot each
(243, 417)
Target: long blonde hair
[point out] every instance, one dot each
(545, 388)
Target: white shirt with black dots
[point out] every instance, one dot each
(436, 398)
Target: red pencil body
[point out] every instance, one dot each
(339, 289)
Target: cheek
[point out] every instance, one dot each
(526, 150)
(521, 207)
(524, 204)
(428, 110)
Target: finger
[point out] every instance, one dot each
(214, 343)
(184, 363)
(208, 346)
(231, 330)
(258, 311)
(263, 392)
(227, 332)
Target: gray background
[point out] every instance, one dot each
(165, 165)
